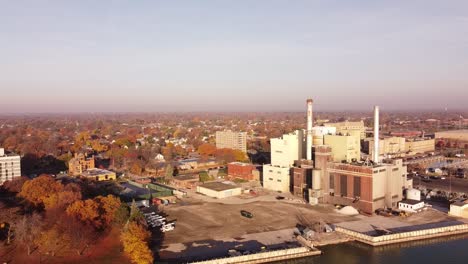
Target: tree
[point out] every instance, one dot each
(98, 212)
(204, 177)
(169, 171)
(61, 199)
(27, 231)
(207, 149)
(135, 240)
(38, 190)
(52, 240)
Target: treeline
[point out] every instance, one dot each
(60, 219)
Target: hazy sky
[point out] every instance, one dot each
(69, 56)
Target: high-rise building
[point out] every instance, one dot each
(232, 140)
(10, 166)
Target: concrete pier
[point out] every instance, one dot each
(266, 257)
(404, 236)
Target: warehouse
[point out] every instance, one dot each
(219, 190)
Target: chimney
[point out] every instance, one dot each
(309, 129)
(2, 152)
(376, 135)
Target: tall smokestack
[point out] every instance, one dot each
(309, 129)
(376, 134)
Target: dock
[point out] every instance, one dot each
(404, 236)
(266, 257)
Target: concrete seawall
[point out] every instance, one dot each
(404, 236)
(265, 257)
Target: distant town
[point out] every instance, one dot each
(227, 187)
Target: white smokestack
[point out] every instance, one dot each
(309, 129)
(376, 134)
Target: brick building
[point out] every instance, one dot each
(79, 164)
(242, 171)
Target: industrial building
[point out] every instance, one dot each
(392, 146)
(284, 151)
(344, 147)
(10, 166)
(457, 135)
(459, 209)
(419, 145)
(349, 127)
(80, 163)
(399, 146)
(318, 133)
(332, 171)
(366, 187)
(231, 140)
(219, 190)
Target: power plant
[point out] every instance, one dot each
(333, 170)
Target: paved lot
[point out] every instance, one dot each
(217, 226)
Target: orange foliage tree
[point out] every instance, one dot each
(38, 190)
(98, 212)
(135, 240)
(207, 149)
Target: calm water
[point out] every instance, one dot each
(440, 250)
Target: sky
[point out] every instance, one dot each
(238, 55)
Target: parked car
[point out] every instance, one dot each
(279, 197)
(246, 214)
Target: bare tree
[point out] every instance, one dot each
(27, 230)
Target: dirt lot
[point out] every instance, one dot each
(198, 221)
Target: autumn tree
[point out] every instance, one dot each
(207, 149)
(98, 212)
(135, 239)
(38, 190)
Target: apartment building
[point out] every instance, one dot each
(10, 166)
(232, 140)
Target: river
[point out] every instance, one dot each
(446, 250)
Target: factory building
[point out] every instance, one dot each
(318, 133)
(10, 166)
(419, 145)
(399, 146)
(366, 187)
(344, 147)
(454, 135)
(231, 140)
(394, 146)
(284, 151)
(348, 127)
